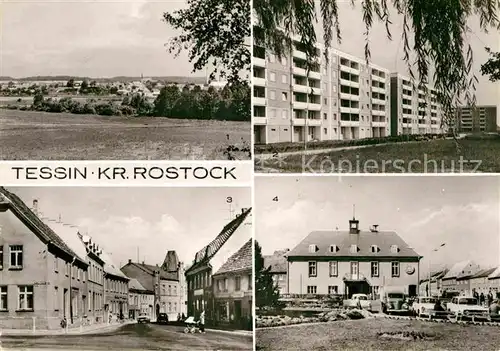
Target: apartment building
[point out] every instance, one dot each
(479, 119)
(414, 109)
(233, 289)
(353, 261)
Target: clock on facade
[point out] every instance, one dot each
(410, 270)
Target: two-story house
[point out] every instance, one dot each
(452, 281)
(140, 300)
(38, 270)
(353, 261)
(233, 289)
(199, 274)
(277, 265)
(115, 290)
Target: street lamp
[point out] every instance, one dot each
(436, 249)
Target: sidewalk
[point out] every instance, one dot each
(233, 332)
(91, 329)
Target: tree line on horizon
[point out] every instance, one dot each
(232, 103)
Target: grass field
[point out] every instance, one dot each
(62, 136)
(363, 335)
(416, 157)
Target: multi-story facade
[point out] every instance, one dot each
(435, 288)
(480, 283)
(115, 290)
(42, 279)
(478, 119)
(354, 261)
(452, 281)
(95, 280)
(200, 292)
(164, 282)
(340, 99)
(277, 265)
(140, 300)
(414, 109)
(233, 289)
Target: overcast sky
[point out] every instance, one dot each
(89, 38)
(462, 212)
(152, 219)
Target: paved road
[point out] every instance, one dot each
(132, 337)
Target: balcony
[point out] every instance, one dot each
(354, 277)
(314, 75)
(349, 69)
(309, 122)
(378, 113)
(349, 110)
(314, 122)
(299, 71)
(378, 90)
(349, 83)
(349, 123)
(299, 105)
(259, 120)
(306, 90)
(345, 96)
(259, 62)
(299, 54)
(314, 107)
(378, 101)
(379, 124)
(378, 78)
(259, 82)
(259, 101)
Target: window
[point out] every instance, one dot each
(333, 290)
(3, 298)
(334, 269)
(25, 297)
(312, 269)
(374, 268)
(311, 289)
(325, 116)
(56, 264)
(312, 248)
(284, 114)
(175, 306)
(272, 77)
(16, 256)
(56, 298)
(273, 113)
(250, 280)
(375, 249)
(395, 269)
(272, 95)
(170, 307)
(325, 101)
(1, 257)
(334, 89)
(334, 248)
(237, 283)
(170, 289)
(284, 61)
(272, 58)
(78, 273)
(394, 249)
(284, 96)
(66, 269)
(354, 268)
(283, 79)
(354, 248)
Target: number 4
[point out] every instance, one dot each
(275, 199)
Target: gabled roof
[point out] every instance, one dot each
(240, 260)
(483, 273)
(343, 240)
(495, 274)
(134, 284)
(110, 267)
(150, 269)
(277, 262)
(458, 270)
(69, 234)
(209, 251)
(40, 229)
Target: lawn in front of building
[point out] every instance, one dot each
(434, 156)
(364, 335)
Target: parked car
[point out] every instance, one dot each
(359, 300)
(143, 318)
(162, 318)
(394, 300)
(467, 307)
(426, 306)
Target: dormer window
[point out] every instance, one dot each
(313, 248)
(334, 248)
(354, 248)
(394, 249)
(375, 249)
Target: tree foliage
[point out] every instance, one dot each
(266, 292)
(214, 34)
(492, 66)
(437, 28)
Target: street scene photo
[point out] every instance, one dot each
(85, 268)
(377, 263)
(125, 80)
(369, 87)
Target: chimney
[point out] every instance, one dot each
(353, 226)
(142, 262)
(374, 228)
(129, 261)
(242, 210)
(35, 206)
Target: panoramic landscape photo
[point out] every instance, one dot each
(128, 80)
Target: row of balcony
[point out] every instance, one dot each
(318, 122)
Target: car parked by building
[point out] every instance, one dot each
(467, 307)
(162, 318)
(359, 301)
(428, 306)
(143, 318)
